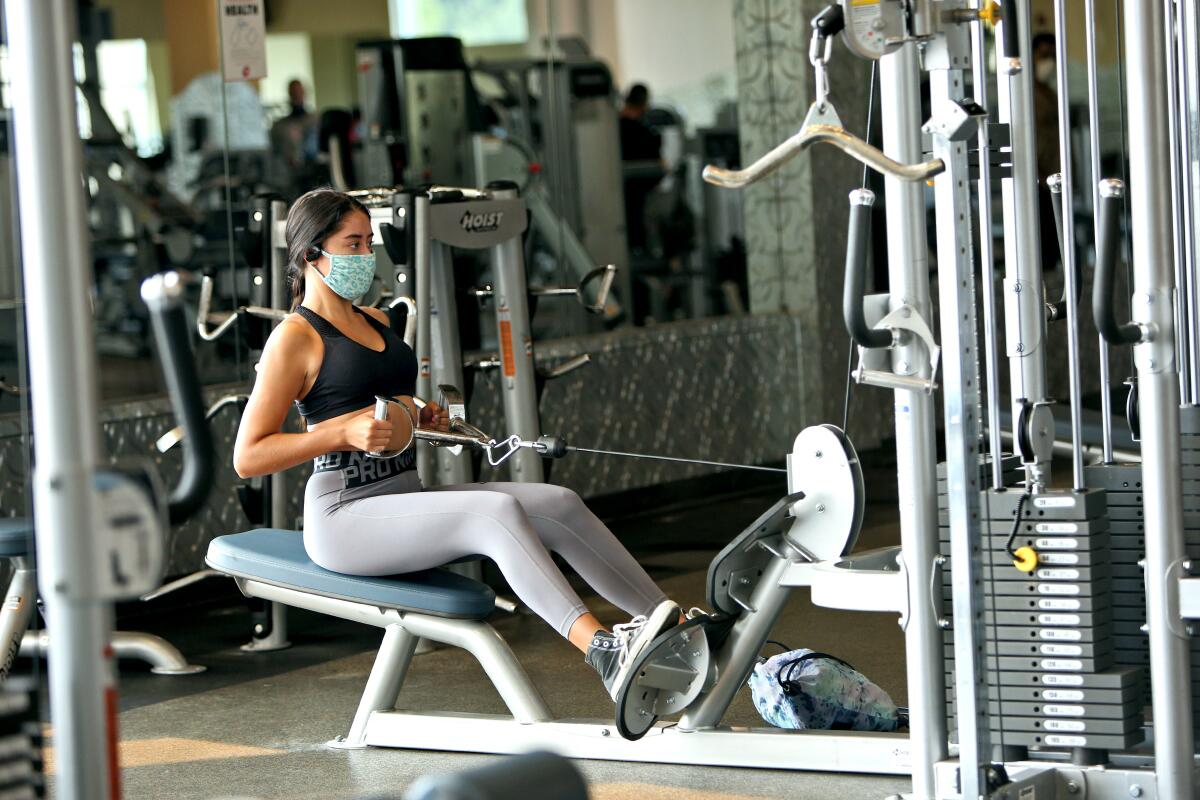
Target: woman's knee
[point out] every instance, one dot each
(554, 500)
(502, 507)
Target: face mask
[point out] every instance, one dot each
(349, 276)
(1044, 70)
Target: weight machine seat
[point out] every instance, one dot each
(277, 557)
(16, 534)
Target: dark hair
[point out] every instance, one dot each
(637, 96)
(311, 220)
(1040, 39)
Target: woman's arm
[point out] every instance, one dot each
(261, 449)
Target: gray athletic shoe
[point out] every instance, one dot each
(612, 654)
(604, 655)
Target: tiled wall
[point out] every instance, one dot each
(796, 219)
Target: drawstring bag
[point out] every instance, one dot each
(802, 689)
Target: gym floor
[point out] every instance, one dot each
(253, 725)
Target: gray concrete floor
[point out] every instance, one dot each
(254, 726)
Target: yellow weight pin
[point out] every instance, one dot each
(1025, 559)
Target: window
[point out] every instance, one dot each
(476, 22)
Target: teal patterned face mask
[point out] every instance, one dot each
(349, 276)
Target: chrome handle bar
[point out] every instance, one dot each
(816, 133)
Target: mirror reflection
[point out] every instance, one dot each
(602, 126)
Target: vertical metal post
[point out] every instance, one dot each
(57, 275)
(1188, 110)
(423, 243)
(1178, 197)
(916, 444)
(1190, 102)
(276, 227)
(275, 232)
(946, 58)
(1158, 385)
(517, 380)
(1024, 298)
(1089, 10)
(1070, 278)
(446, 353)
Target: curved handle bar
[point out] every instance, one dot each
(1111, 194)
(202, 314)
(606, 274)
(410, 319)
(570, 365)
(1058, 310)
(859, 235)
(163, 295)
(817, 133)
(176, 434)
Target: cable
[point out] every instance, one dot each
(1012, 536)
(846, 401)
(573, 448)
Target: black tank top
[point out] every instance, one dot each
(351, 374)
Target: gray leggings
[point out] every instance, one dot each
(395, 526)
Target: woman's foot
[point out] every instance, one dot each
(613, 654)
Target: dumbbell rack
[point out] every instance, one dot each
(1054, 682)
(1123, 483)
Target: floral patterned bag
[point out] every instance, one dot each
(803, 689)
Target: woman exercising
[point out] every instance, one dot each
(371, 516)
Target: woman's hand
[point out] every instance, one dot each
(434, 417)
(364, 432)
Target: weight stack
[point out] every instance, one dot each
(1123, 483)
(1053, 680)
(21, 775)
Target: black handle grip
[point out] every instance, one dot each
(1022, 433)
(1111, 194)
(1058, 310)
(858, 239)
(1010, 35)
(163, 295)
(1132, 417)
(829, 21)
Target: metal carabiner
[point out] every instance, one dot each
(820, 50)
(512, 443)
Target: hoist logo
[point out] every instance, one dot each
(481, 223)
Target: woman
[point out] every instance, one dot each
(368, 516)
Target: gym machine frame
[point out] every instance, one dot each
(425, 226)
(939, 27)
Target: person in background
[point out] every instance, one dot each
(294, 144)
(1045, 114)
(638, 144)
(295, 90)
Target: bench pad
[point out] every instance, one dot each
(277, 557)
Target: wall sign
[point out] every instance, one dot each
(243, 40)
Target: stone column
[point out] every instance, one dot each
(796, 220)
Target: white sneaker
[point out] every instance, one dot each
(636, 635)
